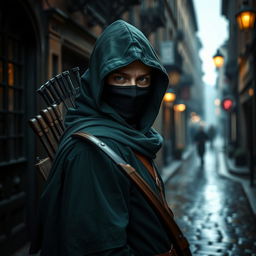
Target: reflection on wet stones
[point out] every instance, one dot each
(213, 212)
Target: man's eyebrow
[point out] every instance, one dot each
(128, 74)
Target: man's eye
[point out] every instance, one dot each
(119, 78)
(144, 80)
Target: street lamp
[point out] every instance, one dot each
(246, 17)
(218, 59)
(179, 107)
(195, 118)
(169, 97)
(217, 102)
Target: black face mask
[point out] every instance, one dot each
(128, 101)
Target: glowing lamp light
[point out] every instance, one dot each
(169, 97)
(246, 17)
(227, 104)
(217, 102)
(195, 119)
(179, 107)
(218, 59)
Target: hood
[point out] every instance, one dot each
(119, 45)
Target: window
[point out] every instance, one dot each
(11, 98)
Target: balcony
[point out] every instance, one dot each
(153, 18)
(102, 12)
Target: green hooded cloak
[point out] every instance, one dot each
(88, 206)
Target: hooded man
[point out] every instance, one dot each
(88, 206)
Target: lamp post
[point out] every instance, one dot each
(168, 128)
(246, 17)
(180, 128)
(246, 21)
(218, 59)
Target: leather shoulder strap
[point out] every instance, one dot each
(180, 242)
(147, 164)
(151, 169)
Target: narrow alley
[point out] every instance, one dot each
(167, 80)
(212, 210)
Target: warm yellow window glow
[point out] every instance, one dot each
(218, 61)
(179, 107)
(251, 92)
(246, 19)
(10, 74)
(169, 97)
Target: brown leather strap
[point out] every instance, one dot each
(180, 242)
(146, 163)
(151, 169)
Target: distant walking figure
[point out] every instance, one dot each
(211, 134)
(200, 139)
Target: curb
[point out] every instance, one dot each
(243, 171)
(171, 169)
(224, 171)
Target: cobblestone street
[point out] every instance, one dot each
(213, 211)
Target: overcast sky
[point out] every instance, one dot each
(212, 28)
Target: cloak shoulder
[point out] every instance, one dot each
(85, 205)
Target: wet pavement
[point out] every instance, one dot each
(213, 211)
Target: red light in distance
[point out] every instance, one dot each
(227, 104)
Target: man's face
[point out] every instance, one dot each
(135, 73)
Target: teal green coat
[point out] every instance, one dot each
(89, 206)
